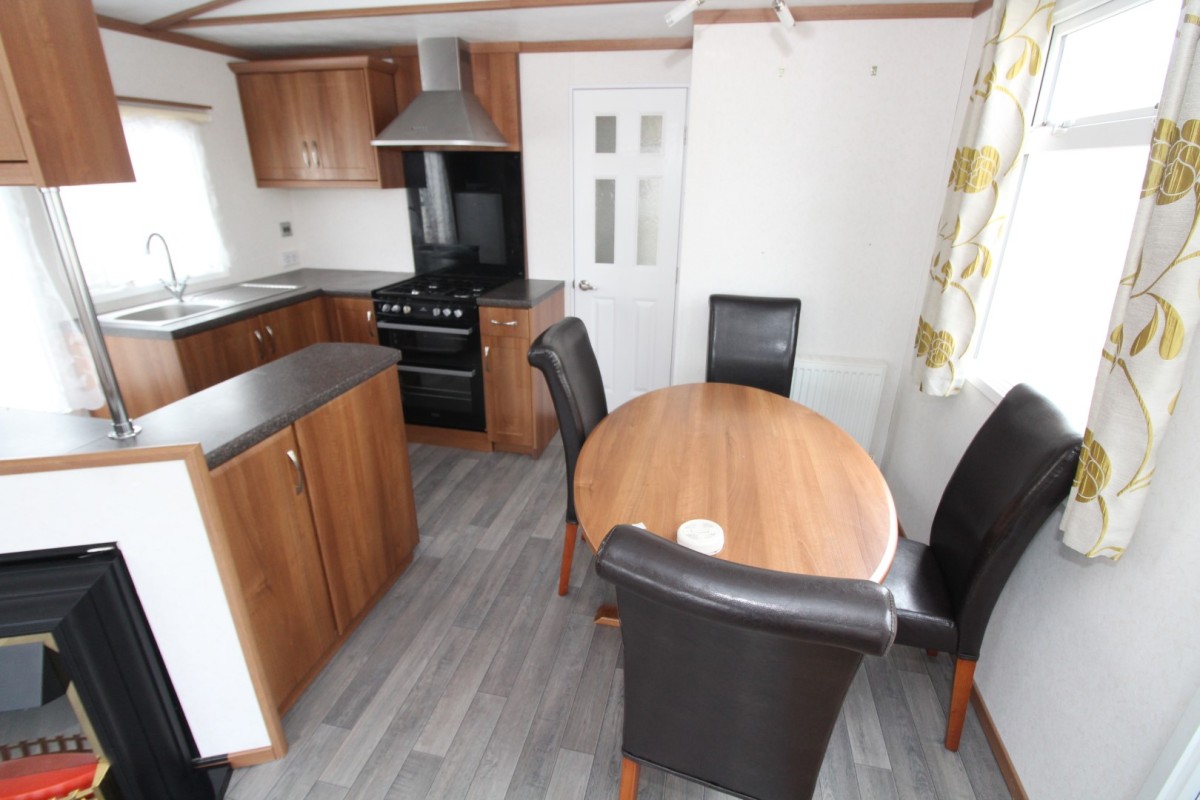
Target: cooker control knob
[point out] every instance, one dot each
(407, 309)
(458, 312)
(437, 312)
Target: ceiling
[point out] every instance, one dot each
(295, 27)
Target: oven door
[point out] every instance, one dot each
(432, 344)
(441, 396)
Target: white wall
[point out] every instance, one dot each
(249, 217)
(150, 511)
(808, 176)
(353, 228)
(546, 83)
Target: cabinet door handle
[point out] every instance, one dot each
(271, 334)
(371, 324)
(512, 323)
(291, 454)
(262, 350)
(304, 152)
(487, 362)
(316, 154)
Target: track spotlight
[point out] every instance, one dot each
(785, 16)
(681, 11)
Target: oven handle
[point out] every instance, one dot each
(395, 326)
(461, 373)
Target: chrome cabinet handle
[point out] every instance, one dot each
(371, 325)
(271, 334)
(291, 454)
(512, 323)
(584, 286)
(316, 154)
(304, 153)
(262, 350)
(487, 362)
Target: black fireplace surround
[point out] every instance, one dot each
(86, 600)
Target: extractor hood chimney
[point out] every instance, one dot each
(444, 113)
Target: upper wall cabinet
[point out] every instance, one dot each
(310, 121)
(59, 124)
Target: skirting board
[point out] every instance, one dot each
(997, 745)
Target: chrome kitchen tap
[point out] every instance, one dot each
(174, 287)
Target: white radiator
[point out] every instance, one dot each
(847, 392)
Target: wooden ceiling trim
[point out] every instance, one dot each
(187, 13)
(839, 12)
(392, 11)
(121, 26)
(602, 45)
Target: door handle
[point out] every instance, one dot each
(271, 334)
(304, 153)
(262, 350)
(512, 323)
(584, 286)
(291, 454)
(316, 154)
(371, 324)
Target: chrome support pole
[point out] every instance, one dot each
(123, 427)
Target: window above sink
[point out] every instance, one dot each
(172, 196)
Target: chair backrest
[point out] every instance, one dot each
(1015, 472)
(563, 352)
(752, 341)
(734, 676)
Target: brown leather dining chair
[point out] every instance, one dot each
(734, 676)
(1015, 472)
(563, 352)
(752, 341)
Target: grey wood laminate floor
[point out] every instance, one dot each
(473, 679)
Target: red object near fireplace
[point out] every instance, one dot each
(52, 776)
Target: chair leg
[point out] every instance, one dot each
(960, 696)
(630, 771)
(564, 574)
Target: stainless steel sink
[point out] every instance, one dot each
(167, 311)
(163, 312)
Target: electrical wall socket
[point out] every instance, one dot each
(285, 229)
(290, 258)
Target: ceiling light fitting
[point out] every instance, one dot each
(785, 16)
(682, 11)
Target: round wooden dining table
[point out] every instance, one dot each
(792, 491)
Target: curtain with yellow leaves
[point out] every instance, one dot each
(1154, 320)
(979, 191)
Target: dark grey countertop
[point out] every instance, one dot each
(311, 283)
(316, 283)
(226, 419)
(520, 294)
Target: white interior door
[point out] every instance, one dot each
(628, 176)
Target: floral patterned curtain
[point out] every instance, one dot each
(979, 191)
(1154, 321)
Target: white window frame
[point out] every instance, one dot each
(1124, 128)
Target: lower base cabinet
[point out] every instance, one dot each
(320, 521)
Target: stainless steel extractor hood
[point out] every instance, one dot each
(444, 113)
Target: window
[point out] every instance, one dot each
(1084, 161)
(172, 196)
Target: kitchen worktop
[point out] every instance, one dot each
(312, 283)
(226, 419)
(520, 294)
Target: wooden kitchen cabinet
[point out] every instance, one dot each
(321, 521)
(361, 453)
(310, 121)
(520, 412)
(264, 501)
(59, 124)
(155, 372)
(352, 319)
